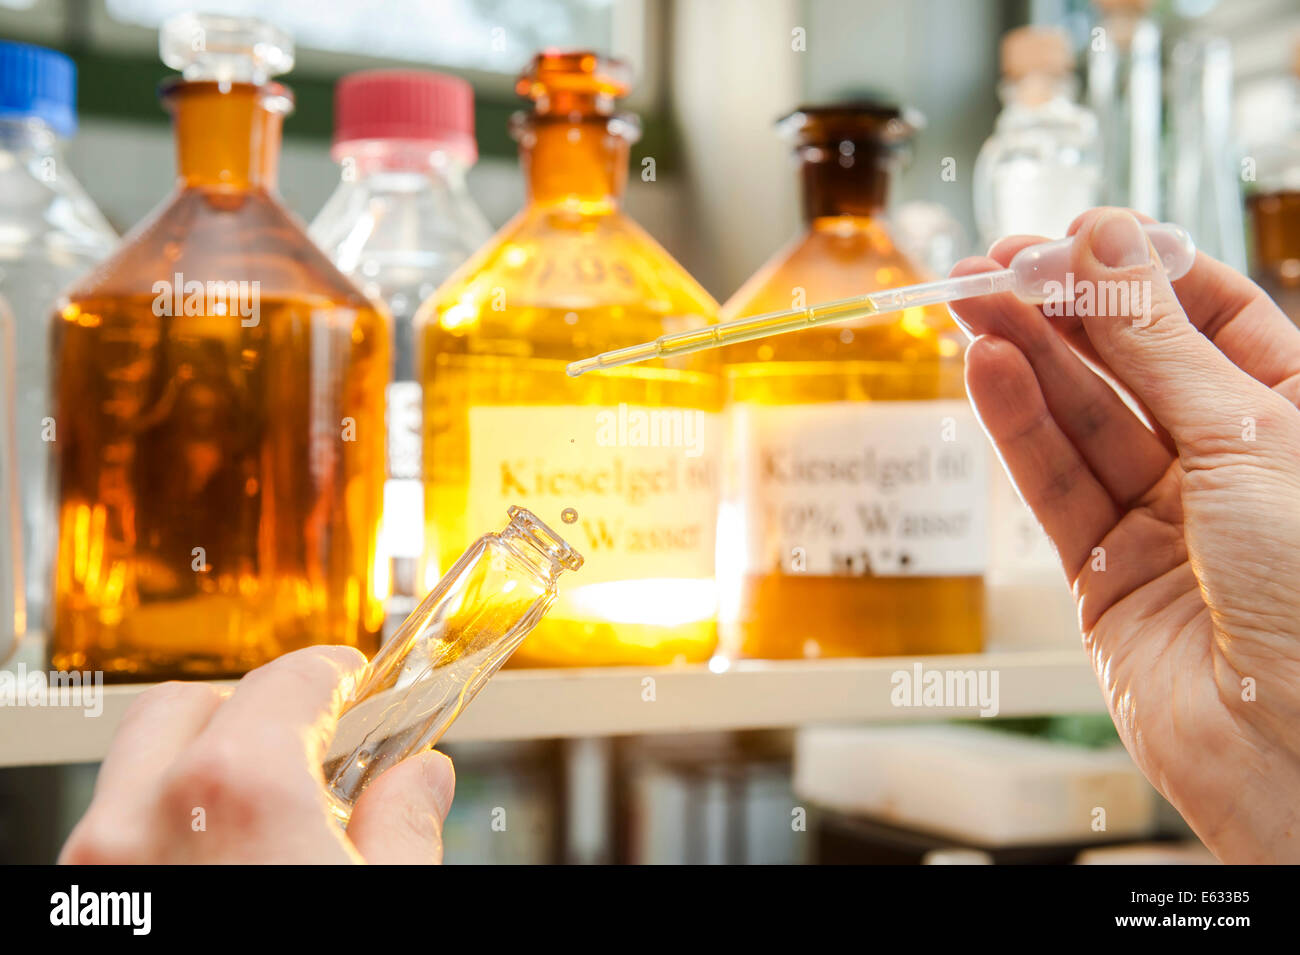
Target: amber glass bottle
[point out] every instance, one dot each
(220, 406)
(629, 458)
(857, 466)
(1274, 207)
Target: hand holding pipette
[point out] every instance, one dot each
(1029, 275)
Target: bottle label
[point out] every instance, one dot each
(633, 488)
(402, 534)
(872, 488)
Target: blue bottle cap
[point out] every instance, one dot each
(39, 83)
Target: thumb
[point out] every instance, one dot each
(398, 819)
(1135, 322)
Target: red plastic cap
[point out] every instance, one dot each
(406, 106)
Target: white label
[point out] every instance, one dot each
(642, 483)
(402, 530)
(404, 416)
(883, 488)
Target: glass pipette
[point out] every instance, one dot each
(1029, 276)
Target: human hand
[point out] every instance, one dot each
(205, 774)
(1181, 540)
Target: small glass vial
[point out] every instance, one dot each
(445, 652)
(220, 405)
(1042, 165)
(50, 234)
(399, 223)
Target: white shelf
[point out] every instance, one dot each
(540, 704)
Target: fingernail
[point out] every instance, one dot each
(441, 777)
(1117, 240)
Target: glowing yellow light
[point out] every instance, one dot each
(655, 601)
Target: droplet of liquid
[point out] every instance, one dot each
(568, 515)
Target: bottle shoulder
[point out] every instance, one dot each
(210, 235)
(547, 265)
(827, 264)
(45, 211)
(424, 227)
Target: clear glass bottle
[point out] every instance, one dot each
(1124, 92)
(1274, 208)
(461, 634)
(860, 471)
(220, 406)
(634, 452)
(399, 223)
(1039, 170)
(1042, 165)
(13, 614)
(50, 234)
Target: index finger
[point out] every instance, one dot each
(291, 704)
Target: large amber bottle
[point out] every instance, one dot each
(219, 406)
(628, 458)
(856, 465)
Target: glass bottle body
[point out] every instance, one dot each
(503, 422)
(220, 399)
(1124, 93)
(1039, 170)
(826, 426)
(1274, 212)
(633, 453)
(50, 234)
(399, 224)
(444, 653)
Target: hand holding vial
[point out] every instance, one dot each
(1179, 537)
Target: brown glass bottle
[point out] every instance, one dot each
(857, 464)
(220, 415)
(1275, 224)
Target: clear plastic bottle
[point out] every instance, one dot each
(635, 451)
(1042, 165)
(1124, 92)
(847, 439)
(50, 234)
(463, 631)
(1037, 172)
(399, 223)
(220, 405)
(13, 616)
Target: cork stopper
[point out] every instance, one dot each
(1036, 49)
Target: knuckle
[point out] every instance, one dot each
(98, 840)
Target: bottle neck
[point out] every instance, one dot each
(580, 162)
(1037, 89)
(844, 179)
(402, 167)
(227, 135)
